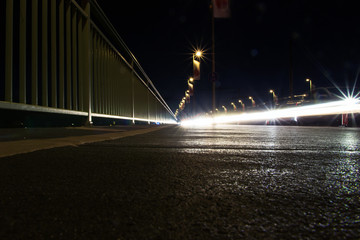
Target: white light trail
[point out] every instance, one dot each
(349, 105)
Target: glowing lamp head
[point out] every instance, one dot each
(250, 98)
(271, 91)
(308, 80)
(198, 53)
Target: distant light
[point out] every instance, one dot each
(198, 53)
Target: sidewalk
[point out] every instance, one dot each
(23, 140)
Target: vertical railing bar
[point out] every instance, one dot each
(132, 91)
(80, 64)
(113, 77)
(9, 50)
(108, 90)
(102, 77)
(22, 52)
(34, 53)
(68, 56)
(99, 74)
(107, 80)
(53, 55)
(44, 54)
(74, 61)
(118, 86)
(96, 73)
(61, 80)
(148, 105)
(87, 42)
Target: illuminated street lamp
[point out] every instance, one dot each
(198, 53)
(191, 86)
(233, 104)
(242, 104)
(187, 96)
(252, 101)
(310, 83)
(225, 109)
(196, 64)
(274, 96)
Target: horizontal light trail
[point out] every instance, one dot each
(349, 105)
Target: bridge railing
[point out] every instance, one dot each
(64, 56)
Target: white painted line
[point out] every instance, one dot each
(11, 148)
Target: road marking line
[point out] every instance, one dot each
(11, 148)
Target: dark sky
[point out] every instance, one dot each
(252, 47)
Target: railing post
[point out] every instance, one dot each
(22, 52)
(34, 53)
(61, 55)
(74, 61)
(9, 50)
(68, 54)
(44, 54)
(148, 101)
(53, 55)
(86, 37)
(132, 91)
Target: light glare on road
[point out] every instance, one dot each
(349, 105)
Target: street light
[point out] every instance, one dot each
(310, 82)
(233, 104)
(191, 86)
(196, 64)
(225, 109)
(252, 101)
(242, 104)
(274, 96)
(198, 53)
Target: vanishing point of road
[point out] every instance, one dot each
(224, 182)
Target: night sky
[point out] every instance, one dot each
(252, 47)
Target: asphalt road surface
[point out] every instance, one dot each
(225, 182)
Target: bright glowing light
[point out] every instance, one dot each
(349, 105)
(198, 53)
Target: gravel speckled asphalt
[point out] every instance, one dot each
(226, 182)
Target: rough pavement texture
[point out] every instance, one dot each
(246, 183)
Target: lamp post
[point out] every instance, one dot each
(225, 109)
(196, 64)
(196, 73)
(233, 104)
(310, 83)
(252, 101)
(191, 86)
(274, 96)
(242, 104)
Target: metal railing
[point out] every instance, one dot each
(64, 56)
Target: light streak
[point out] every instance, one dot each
(349, 105)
